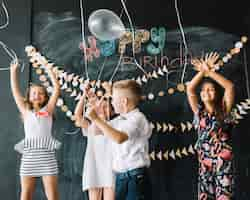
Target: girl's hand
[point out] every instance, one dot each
(91, 114)
(108, 89)
(14, 65)
(100, 107)
(95, 130)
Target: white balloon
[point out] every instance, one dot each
(105, 25)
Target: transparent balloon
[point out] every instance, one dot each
(105, 25)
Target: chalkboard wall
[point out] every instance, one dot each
(15, 36)
(56, 33)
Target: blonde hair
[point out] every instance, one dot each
(131, 88)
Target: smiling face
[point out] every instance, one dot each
(37, 95)
(208, 93)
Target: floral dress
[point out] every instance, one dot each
(214, 148)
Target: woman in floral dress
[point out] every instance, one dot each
(214, 123)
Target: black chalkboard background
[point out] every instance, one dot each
(15, 36)
(56, 34)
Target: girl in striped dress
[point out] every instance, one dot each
(38, 147)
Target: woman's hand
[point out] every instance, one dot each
(206, 64)
(211, 59)
(200, 65)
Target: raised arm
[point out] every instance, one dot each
(114, 134)
(56, 92)
(221, 80)
(79, 119)
(192, 85)
(229, 93)
(19, 99)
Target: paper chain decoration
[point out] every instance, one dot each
(40, 62)
(185, 127)
(241, 109)
(163, 127)
(173, 153)
(72, 83)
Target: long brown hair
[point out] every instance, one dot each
(219, 102)
(27, 95)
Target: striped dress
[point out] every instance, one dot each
(38, 147)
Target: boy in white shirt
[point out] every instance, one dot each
(130, 132)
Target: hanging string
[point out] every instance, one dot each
(83, 40)
(122, 11)
(119, 61)
(246, 73)
(133, 38)
(184, 41)
(167, 76)
(7, 16)
(100, 73)
(116, 69)
(10, 53)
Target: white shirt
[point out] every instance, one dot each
(133, 153)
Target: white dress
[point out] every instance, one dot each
(97, 170)
(38, 147)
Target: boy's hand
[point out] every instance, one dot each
(92, 115)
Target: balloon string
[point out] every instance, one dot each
(116, 69)
(100, 73)
(122, 11)
(83, 40)
(184, 41)
(11, 53)
(133, 37)
(7, 17)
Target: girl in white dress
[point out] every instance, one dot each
(98, 177)
(38, 147)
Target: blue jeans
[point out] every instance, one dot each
(133, 185)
